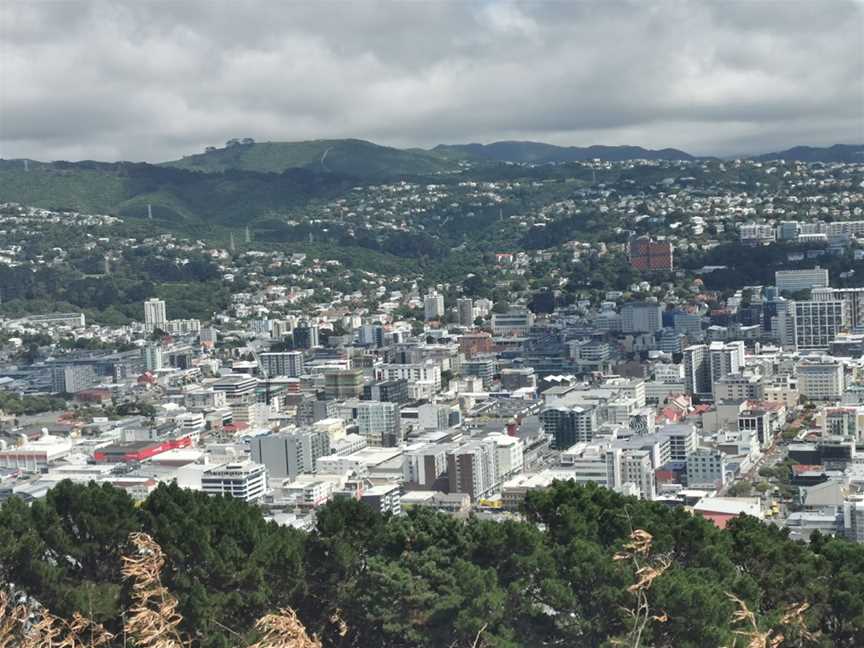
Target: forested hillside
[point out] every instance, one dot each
(573, 574)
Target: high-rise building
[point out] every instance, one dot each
(697, 370)
(388, 391)
(154, 314)
(380, 423)
(641, 317)
(465, 307)
(282, 363)
(473, 468)
(371, 335)
(481, 367)
(306, 335)
(72, 378)
(569, 425)
(725, 359)
(433, 306)
(287, 455)
(810, 325)
(340, 384)
(852, 297)
(153, 357)
(796, 280)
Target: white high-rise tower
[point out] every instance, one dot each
(154, 314)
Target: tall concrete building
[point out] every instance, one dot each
(465, 307)
(852, 297)
(153, 357)
(641, 317)
(473, 468)
(810, 325)
(697, 370)
(380, 423)
(706, 364)
(340, 384)
(433, 306)
(154, 314)
(287, 455)
(306, 335)
(283, 363)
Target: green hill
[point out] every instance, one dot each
(178, 198)
(348, 156)
(846, 153)
(540, 153)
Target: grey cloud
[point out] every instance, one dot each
(156, 80)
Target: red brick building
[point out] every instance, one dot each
(647, 254)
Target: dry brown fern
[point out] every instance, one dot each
(152, 620)
(284, 630)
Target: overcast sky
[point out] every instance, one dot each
(152, 81)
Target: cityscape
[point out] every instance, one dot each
(329, 392)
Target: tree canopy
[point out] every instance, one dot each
(426, 579)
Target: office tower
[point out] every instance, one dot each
(340, 384)
(153, 359)
(287, 455)
(569, 425)
(796, 280)
(433, 306)
(483, 368)
(387, 391)
(852, 297)
(697, 370)
(641, 317)
(154, 314)
(371, 335)
(465, 307)
(283, 363)
(306, 335)
(811, 325)
(380, 423)
(71, 379)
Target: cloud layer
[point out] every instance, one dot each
(156, 80)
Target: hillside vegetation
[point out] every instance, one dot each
(351, 157)
(586, 568)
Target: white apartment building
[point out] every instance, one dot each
(433, 306)
(797, 280)
(242, 480)
(154, 314)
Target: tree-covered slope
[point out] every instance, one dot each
(175, 196)
(570, 574)
(352, 157)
